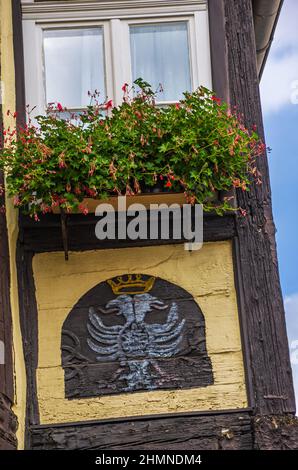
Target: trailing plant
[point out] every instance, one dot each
(198, 146)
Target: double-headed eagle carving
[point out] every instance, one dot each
(135, 344)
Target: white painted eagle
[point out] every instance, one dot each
(135, 339)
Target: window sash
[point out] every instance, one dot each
(73, 96)
(116, 51)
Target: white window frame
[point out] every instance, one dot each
(115, 17)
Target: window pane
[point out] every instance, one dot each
(160, 54)
(74, 65)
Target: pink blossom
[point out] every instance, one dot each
(215, 99)
(124, 87)
(109, 104)
(83, 209)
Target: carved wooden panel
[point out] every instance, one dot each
(133, 333)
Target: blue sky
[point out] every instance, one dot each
(279, 93)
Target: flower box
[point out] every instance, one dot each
(145, 199)
(197, 147)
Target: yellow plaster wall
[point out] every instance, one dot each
(207, 274)
(9, 103)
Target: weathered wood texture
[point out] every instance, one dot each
(262, 298)
(19, 61)
(218, 49)
(29, 328)
(275, 432)
(227, 431)
(26, 289)
(8, 425)
(6, 370)
(7, 418)
(45, 236)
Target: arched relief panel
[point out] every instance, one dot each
(199, 282)
(134, 333)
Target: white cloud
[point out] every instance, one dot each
(277, 82)
(286, 34)
(291, 306)
(281, 70)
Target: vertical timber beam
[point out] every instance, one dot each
(29, 327)
(18, 48)
(8, 420)
(262, 298)
(26, 287)
(218, 49)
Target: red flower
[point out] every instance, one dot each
(108, 105)
(168, 184)
(16, 201)
(138, 115)
(62, 163)
(90, 192)
(83, 209)
(92, 169)
(215, 99)
(45, 208)
(59, 107)
(177, 105)
(236, 183)
(124, 87)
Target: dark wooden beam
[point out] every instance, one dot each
(8, 424)
(275, 432)
(29, 329)
(218, 49)
(184, 432)
(8, 421)
(262, 298)
(6, 369)
(238, 280)
(19, 62)
(45, 236)
(27, 301)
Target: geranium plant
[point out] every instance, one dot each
(197, 146)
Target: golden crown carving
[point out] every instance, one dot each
(131, 284)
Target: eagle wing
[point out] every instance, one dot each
(103, 339)
(165, 339)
